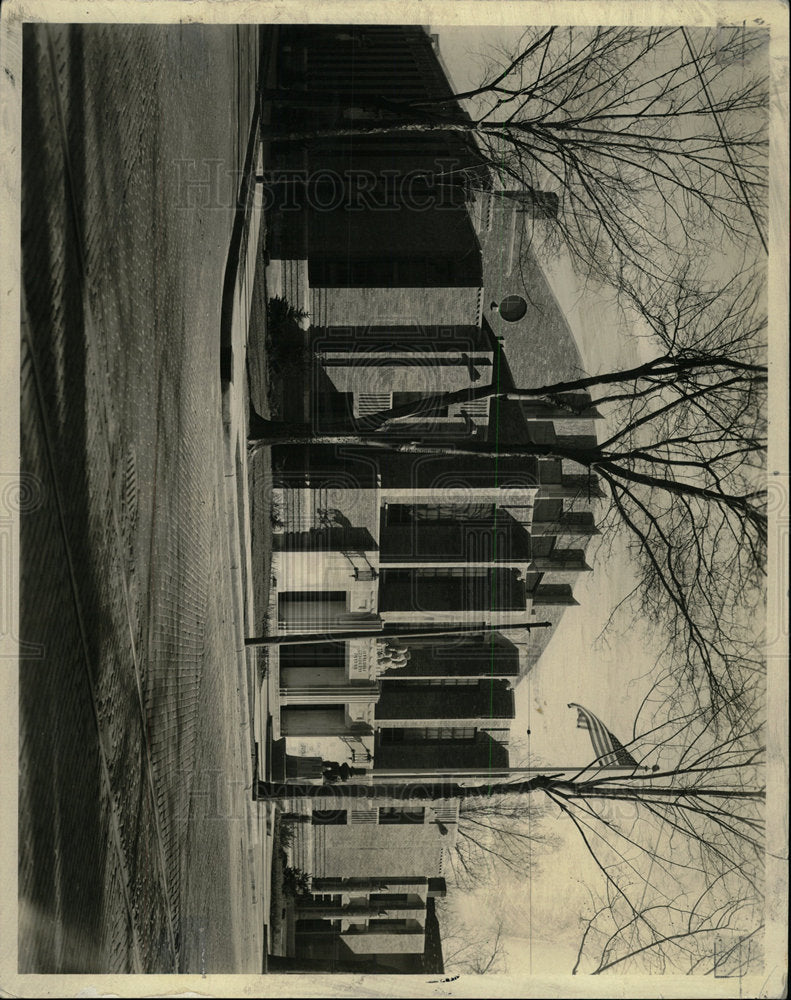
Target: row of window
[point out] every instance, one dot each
(375, 924)
(451, 681)
(403, 513)
(388, 815)
(417, 734)
(381, 898)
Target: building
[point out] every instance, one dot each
(367, 906)
(414, 540)
(406, 258)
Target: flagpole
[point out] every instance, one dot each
(499, 772)
(388, 631)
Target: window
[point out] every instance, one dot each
(416, 734)
(399, 816)
(329, 817)
(401, 513)
(450, 733)
(393, 735)
(319, 654)
(454, 681)
(314, 924)
(445, 571)
(312, 596)
(550, 470)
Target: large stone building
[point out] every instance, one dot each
(405, 299)
(408, 261)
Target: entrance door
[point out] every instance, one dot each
(311, 610)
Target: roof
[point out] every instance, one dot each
(541, 348)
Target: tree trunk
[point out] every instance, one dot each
(644, 792)
(429, 791)
(663, 367)
(618, 467)
(375, 127)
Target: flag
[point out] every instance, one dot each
(608, 749)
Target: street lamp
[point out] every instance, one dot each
(383, 631)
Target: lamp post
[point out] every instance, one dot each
(383, 631)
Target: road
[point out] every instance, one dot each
(133, 835)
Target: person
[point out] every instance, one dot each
(334, 772)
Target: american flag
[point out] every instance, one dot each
(608, 749)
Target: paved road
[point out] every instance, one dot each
(133, 843)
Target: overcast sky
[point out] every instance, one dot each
(575, 667)
(608, 675)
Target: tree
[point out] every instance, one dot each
(654, 140)
(470, 950)
(701, 564)
(681, 467)
(495, 840)
(681, 853)
(648, 136)
(678, 841)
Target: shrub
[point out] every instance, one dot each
(295, 882)
(282, 317)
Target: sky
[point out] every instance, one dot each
(608, 674)
(578, 665)
(574, 667)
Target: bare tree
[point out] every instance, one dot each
(470, 950)
(648, 136)
(681, 467)
(678, 843)
(680, 851)
(678, 840)
(701, 565)
(496, 839)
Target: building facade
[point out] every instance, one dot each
(402, 297)
(367, 904)
(406, 260)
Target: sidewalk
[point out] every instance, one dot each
(134, 847)
(237, 303)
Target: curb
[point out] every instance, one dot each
(238, 286)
